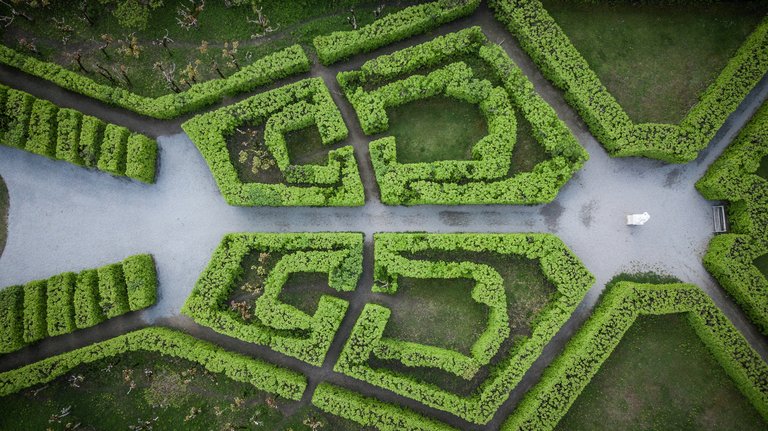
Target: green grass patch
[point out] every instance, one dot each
(305, 146)
(762, 170)
(527, 152)
(661, 376)
(656, 58)
(147, 388)
(762, 264)
(437, 128)
(304, 289)
(4, 205)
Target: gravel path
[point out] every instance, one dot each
(65, 218)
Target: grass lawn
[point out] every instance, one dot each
(3, 214)
(762, 264)
(168, 394)
(294, 22)
(762, 171)
(442, 313)
(657, 58)
(661, 376)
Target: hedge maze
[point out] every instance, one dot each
(730, 257)
(43, 128)
(70, 301)
(547, 44)
(375, 87)
(292, 107)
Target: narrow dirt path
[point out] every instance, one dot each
(65, 218)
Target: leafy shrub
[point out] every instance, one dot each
(69, 301)
(370, 412)
(391, 28)
(262, 375)
(286, 108)
(559, 265)
(561, 63)
(729, 258)
(65, 134)
(547, 402)
(280, 326)
(281, 64)
(484, 179)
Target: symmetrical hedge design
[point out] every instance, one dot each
(400, 25)
(43, 128)
(483, 180)
(559, 265)
(370, 412)
(291, 107)
(260, 374)
(280, 326)
(548, 401)
(730, 256)
(287, 62)
(69, 301)
(561, 63)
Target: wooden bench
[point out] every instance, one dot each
(718, 216)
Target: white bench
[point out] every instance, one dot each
(718, 216)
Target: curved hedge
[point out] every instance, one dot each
(547, 402)
(549, 47)
(291, 107)
(167, 342)
(67, 302)
(732, 177)
(280, 326)
(281, 64)
(43, 128)
(370, 412)
(391, 28)
(484, 179)
(561, 267)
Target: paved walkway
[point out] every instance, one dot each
(65, 218)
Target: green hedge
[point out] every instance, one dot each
(732, 177)
(370, 412)
(549, 47)
(547, 402)
(168, 342)
(290, 107)
(484, 179)
(287, 62)
(561, 267)
(280, 326)
(68, 301)
(41, 127)
(396, 26)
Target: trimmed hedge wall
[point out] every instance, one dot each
(281, 64)
(730, 257)
(396, 26)
(42, 128)
(370, 412)
(549, 47)
(291, 107)
(484, 179)
(280, 326)
(547, 402)
(67, 302)
(262, 375)
(561, 267)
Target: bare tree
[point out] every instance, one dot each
(124, 71)
(28, 45)
(105, 73)
(164, 41)
(189, 15)
(107, 40)
(77, 58)
(66, 29)
(168, 74)
(130, 46)
(215, 68)
(229, 52)
(82, 7)
(262, 21)
(352, 18)
(7, 20)
(379, 10)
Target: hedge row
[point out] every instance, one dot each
(287, 108)
(41, 127)
(561, 267)
(287, 62)
(561, 63)
(69, 301)
(370, 412)
(730, 257)
(167, 342)
(547, 402)
(484, 179)
(280, 326)
(396, 26)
